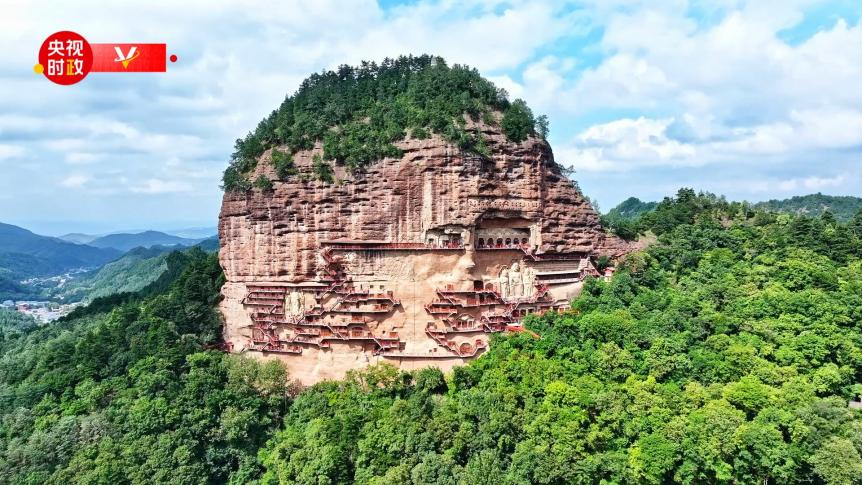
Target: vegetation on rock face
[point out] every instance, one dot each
(322, 170)
(725, 352)
(283, 164)
(358, 113)
(263, 183)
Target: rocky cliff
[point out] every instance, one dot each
(414, 261)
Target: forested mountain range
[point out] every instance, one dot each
(625, 219)
(29, 254)
(842, 207)
(25, 255)
(133, 271)
(145, 239)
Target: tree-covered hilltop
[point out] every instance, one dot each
(622, 219)
(842, 207)
(358, 113)
(631, 208)
(724, 353)
(632, 217)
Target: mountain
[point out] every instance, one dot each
(127, 241)
(726, 352)
(10, 289)
(631, 208)
(842, 207)
(78, 238)
(135, 270)
(209, 244)
(487, 190)
(623, 219)
(195, 232)
(27, 254)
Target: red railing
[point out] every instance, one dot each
(393, 246)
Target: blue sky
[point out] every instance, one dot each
(751, 99)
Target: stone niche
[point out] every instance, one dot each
(506, 232)
(448, 235)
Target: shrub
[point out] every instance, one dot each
(234, 180)
(263, 183)
(322, 170)
(283, 164)
(518, 122)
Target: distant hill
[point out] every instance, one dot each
(622, 220)
(135, 270)
(843, 207)
(27, 254)
(127, 241)
(10, 289)
(631, 208)
(209, 244)
(78, 238)
(195, 232)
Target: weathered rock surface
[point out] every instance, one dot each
(434, 195)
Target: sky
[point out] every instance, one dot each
(751, 99)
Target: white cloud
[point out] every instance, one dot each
(237, 61)
(75, 181)
(80, 158)
(734, 89)
(159, 186)
(626, 144)
(774, 186)
(9, 151)
(812, 183)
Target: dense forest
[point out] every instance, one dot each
(357, 113)
(726, 352)
(13, 323)
(843, 207)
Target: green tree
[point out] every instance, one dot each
(837, 462)
(518, 122)
(283, 164)
(263, 183)
(322, 170)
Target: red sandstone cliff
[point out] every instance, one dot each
(414, 261)
(276, 235)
